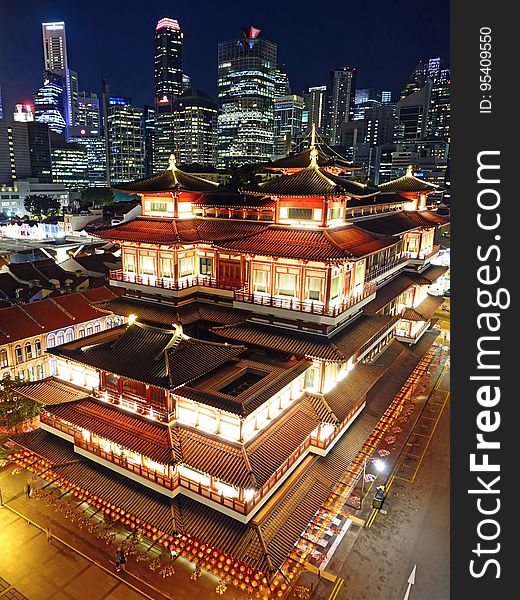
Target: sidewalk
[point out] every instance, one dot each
(74, 542)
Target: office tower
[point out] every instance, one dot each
(439, 114)
(125, 136)
(341, 92)
(69, 163)
(282, 87)
(412, 115)
(246, 89)
(169, 84)
(55, 61)
(40, 151)
(380, 124)
(186, 83)
(288, 115)
(23, 113)
(386, 96)
(94, 144)
(15, 161)
(316, 105)
(168, 59)
(49, 102)
(88, 111)
(149, 130)
(195, 122)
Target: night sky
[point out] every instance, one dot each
(384, 39)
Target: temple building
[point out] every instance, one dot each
(265, 334)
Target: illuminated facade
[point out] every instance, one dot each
(288, 117)
(69, 164)
(246, 90)
(50, 103)
(94, 145)
(253, 323)
(125, 134)
(341, 93)
(195, 128)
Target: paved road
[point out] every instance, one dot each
(415, 529)
(41, 571)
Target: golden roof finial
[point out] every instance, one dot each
(314, 157)
(313, 135)
(409, 170)
(172, 163)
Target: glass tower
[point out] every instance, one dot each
(247, 73)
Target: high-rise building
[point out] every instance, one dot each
(49, 102)
(94, 145)
(168, 59)
(341, 92)
(125, 137)
(316, 105)
(40, 151)
(69, 163)
(149, 130)
(88, 110)
(380, 126)
(55, 61)
(439, 114)
(282, 87)
(195, 125)
(288, 115)
(15, 160)
(412, 115)
(246, 91)
(23, 113)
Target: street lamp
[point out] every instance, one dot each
(380, 467)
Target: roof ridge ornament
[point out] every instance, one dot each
(172, 162)
(314, 157)
(409, 171)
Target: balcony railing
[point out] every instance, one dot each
(373, 273)
(167, 283)
(423, 255)
(307, 306)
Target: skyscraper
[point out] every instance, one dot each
(341, 92)
(168, 59)
(55, 62)
(94, 144)
(246, 91)
(40, 151)
(282, 87)
(49, 102)
(15, 161)
(288, 114)
(412, 115)
(439, 115)
(195, 124)
(125, 137)
(69, 163)
(88, 110)
(316, 105)
(169, 84)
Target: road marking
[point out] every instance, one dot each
(411, 581)
(335, 590)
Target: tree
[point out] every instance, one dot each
(15, 408)
(40, 204)
(97, 196)
(243, 176)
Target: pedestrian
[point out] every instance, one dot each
(48, 533)
(28, 490)
(118, 566)
(122, 559)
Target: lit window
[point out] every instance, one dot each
(28, 351)
(185, 267)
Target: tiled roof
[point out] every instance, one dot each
(312, 181)
(290, 242)
(170, 180)
(424, 310)
(130, 431)
(166, 314)
(22, 321)
(156, 356)
(51, 391)
(43, 271)
(11, 289)
(392, 289)
(155, 230)
(303, 160)
(283, 526)
(433, 272)
(397, 222)
(408, 183)
(339, 347)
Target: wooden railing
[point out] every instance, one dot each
(375, 272)
(168, 283)
(177, 480)
(306, 306)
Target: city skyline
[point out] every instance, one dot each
(129, 68)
